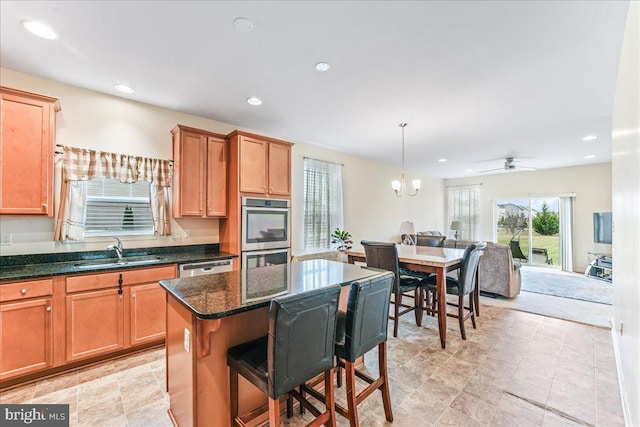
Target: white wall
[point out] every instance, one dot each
(110, 123)
(372, 210)
(591, 184)
(626, 217)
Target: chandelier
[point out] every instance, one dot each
(400, 186)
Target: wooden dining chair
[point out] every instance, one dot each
(384, 255)
(461, 286)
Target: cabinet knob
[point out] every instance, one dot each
(23, 291)
(133, 295)
(44, 206)
(49, 308)
(270, 188)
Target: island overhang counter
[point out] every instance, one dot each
(207, 315)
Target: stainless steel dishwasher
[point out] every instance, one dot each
(206, 267)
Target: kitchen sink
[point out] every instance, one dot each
(113, 262)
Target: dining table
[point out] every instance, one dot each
(426, 259)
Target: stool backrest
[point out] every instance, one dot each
(470, 261)
(367, 315)
(302, 333)
(435, 241)
(382, 255)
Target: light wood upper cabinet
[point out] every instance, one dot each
(26, 328)
(279, 169)
(28, 139)
(200, 173)
(264, 166)
(253, 161)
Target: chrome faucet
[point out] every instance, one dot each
(118, 248)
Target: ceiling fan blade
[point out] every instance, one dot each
(491, 170)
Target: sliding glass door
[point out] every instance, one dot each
(531, 227)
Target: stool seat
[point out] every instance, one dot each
(250, 361)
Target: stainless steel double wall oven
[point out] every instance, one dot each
(266, 229)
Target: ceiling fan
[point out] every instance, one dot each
(509, 165)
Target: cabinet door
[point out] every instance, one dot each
(279, 169)
(27, 338)
(27, 168)
(192, 173)
(148, 313)
(216, 177)
(253, 162)
(95, 323)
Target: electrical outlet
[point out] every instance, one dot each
(187, 346)
(176, 234)
(187, 232)
(5, 239)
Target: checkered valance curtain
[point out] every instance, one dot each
(81, 164)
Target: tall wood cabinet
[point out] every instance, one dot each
(28, 139)
(258, 167)
(200, 173)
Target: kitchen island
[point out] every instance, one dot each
(206, 315)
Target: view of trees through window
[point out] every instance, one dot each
(531, 227)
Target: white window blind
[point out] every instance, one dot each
(464, 206)
(116, 208)
(323, 209)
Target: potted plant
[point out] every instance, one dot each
(342, 238)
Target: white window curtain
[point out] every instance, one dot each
(464, 206)
(80, 164)
(323, 203)
(566, 232)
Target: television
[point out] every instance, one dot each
(602, 227)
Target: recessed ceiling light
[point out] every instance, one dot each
(590, 138)
(590, 156)
(243, 25)
(254, 100)
(322, 66)
(39, 30)
(442, 160)
(124, 88)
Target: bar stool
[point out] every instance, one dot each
(360, 329)
(299, 346)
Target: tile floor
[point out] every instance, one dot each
(516, 369)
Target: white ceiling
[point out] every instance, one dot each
(474, 80)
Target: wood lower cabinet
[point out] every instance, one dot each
(95, 324)
(147, 314)
(28, 135)
(200, 173)
(112, 311)
(27, 337)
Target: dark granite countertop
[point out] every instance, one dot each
(224, 294)
(19, 267)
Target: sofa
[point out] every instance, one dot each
(497, 272)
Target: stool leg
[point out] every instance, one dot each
(473, 309)
(304, 396)
(339, 376)
(274, 412)
(350, 376)
(382, 364)
(417, 299)
(233, 395)
(396, 311)
(461, 317)
(329, 398)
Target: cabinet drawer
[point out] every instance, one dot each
(96, 281)
(24, 290)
